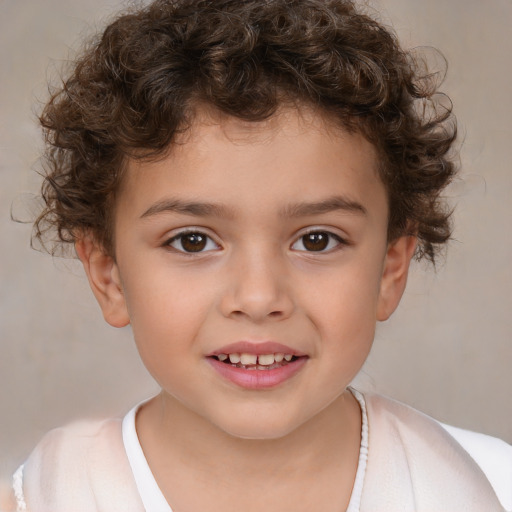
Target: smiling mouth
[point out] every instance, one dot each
(256, 362)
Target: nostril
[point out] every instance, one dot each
(271, 314)
(256, 302)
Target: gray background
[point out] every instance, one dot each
(447, 350)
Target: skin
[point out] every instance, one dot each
(294, 446)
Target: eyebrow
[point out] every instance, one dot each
(303, 209)
(326, 206)
(198, 209)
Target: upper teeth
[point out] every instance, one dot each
(248, 359)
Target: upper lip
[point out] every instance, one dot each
(256, 348)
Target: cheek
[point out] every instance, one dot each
(348, 302)
(345, 315)
(166, 309)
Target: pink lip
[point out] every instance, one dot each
(257, 379)
(258, 349)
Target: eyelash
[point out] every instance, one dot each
(180, 237)
(205, 242)
(333, 241)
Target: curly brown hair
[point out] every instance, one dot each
(132, 90)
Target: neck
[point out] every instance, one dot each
(172, 436)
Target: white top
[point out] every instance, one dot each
(416, 464)
(494, 457)
(150, 493)
(479, 446)
(154, 500)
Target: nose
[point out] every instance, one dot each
(257, 288)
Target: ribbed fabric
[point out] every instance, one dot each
(357, 491)
(17, 485)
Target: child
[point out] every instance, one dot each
(245, 183)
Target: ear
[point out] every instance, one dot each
(104, 278)
(394, 275)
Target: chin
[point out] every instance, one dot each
(260, 428)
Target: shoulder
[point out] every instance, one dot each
(74, 439)
(64, 453)
(415, 456)
(80, 467)
(493, 456)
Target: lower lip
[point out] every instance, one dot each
(257, 379)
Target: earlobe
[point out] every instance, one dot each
(394, 275)
(104, 279)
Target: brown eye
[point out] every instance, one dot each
(317, 241)
(193, 242)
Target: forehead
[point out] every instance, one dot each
(293, 155)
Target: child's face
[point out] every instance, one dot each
(259, 238)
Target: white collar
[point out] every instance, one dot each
(152, 496)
